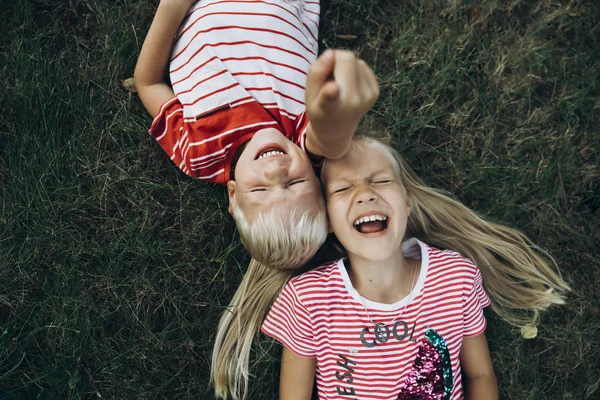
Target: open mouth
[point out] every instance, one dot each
(371, 223)
(270, 150)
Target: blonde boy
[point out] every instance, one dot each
(237, 113)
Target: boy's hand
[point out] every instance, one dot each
(340, 88)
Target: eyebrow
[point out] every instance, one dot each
(349, 179)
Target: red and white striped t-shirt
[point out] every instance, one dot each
(237, 66)
(320, 315)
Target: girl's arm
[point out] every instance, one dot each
(149, 75)
(297, 376)
(476, 363)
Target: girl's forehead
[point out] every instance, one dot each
(359, 161)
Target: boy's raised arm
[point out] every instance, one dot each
(335, 106)
(149, 75)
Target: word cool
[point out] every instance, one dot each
(382, 333)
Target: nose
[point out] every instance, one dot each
(275, 172)
(366, 196)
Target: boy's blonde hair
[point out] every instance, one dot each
(282, 242)
(519, 277)
(279, 246)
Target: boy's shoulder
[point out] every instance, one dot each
(205, 146)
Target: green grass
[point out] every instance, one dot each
(115, 266)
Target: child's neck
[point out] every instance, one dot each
(383, 281)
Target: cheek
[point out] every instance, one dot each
(248, 175)
(241, 168)
(336, 214)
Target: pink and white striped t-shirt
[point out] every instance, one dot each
(320, 315)
(237, 66)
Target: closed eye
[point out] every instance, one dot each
(296, 182)
(341, 190)
(383, 181)
(258, 190)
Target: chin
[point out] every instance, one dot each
(375, 255)
(270, 133)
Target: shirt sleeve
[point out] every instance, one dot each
(168, 128)
(474, 300)
(301, 128)
(289, 322)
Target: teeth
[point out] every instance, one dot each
(271, 153)
(369, 219)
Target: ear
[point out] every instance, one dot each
(231, 194)
(408, 204)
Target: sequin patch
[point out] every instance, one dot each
(431, 375)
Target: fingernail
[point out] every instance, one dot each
(327, 53)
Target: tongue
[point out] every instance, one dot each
(370, 227)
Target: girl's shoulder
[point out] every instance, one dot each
(450, 261)
(323, 275)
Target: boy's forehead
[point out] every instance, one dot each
(282, 204)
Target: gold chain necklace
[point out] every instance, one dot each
(378, 326)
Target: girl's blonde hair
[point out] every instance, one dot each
(285, 245)
(519, 277)
(239, 326)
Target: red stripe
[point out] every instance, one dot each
(202, 81)
(235, 44)
(229, 1)
(271, 75)
(240, 13)
(303, 72)
(244, 99)
(282, 114)
(194, 70)
(275, 91)
(311, 12)
(310, 31)
(211, 94)
(226, 27)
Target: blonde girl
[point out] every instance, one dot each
(397, 318)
